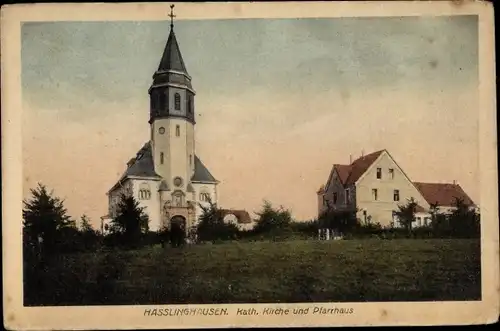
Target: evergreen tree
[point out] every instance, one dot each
(89, 236)
(85, 225)
(271, 220)
(131, 221)
(211, 225)
(44, 219)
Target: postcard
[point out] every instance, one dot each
(264, 164)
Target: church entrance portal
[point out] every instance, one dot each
(177, 231)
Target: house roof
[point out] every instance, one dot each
(343, 172)
(443, 194)
(242, 216)
(349, 174)
(201, 173)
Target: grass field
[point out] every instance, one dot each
(259, 272)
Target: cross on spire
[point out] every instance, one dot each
(171, 15)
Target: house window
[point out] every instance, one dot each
(375, 194)
(161, 158)
(334, 198)
(205, 197)
(347, 198)
(379, 173)
(177, 130)
(391, 173)
(427, 221)
(419, 221)
(177, 101)
(396, 195)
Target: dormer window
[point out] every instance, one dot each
(177, 101)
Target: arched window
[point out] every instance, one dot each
(144, 192)
(161, 100)
(161, 158)
(189, 103)
(177, 101)
(204, 195)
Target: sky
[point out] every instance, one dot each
(278, 102)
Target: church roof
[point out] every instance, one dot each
(201, 173)
(172, 58)
(142, 165)
(139, 166)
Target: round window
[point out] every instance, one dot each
(161, 130)
(178, 181)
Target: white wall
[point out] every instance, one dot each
(381, 209)
(209, 188)
(152, 205)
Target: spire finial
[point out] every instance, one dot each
(171, 15)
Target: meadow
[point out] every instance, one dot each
(262, 272)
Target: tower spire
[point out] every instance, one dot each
(171, 15)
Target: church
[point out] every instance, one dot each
(166, 176)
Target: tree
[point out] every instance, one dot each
(464, 220)
(343, 221)
(44, 219)
(88, 234)
(131, 221)
(272, 221)
(211, 225)
(406, 214)
(85, 225)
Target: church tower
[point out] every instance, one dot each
(172, 120)
(166, 176)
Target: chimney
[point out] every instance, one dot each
(350, 158)
(454, 182)
(362, 153)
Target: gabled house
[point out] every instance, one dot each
(375, 185)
